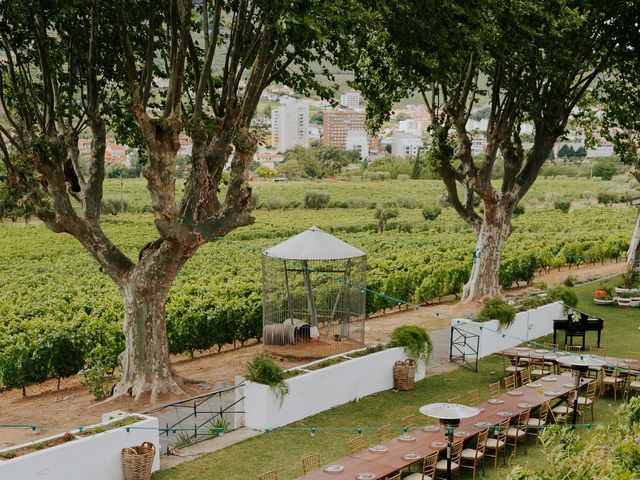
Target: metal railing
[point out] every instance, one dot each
(464, 345)
(199, 418)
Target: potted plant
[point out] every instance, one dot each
(603, 299)
(417, 346)
(630, 281)
(601, 293)
(497, 309)
(624, 300)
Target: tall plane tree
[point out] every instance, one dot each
(612, 112)
(531, 61)
(146, 72)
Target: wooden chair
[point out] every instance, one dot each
(538, 368)
(588, 400)
(310, 462)
(356, 444)
(498, 444)
(565, 410)
(525, 376)
(518, 433)
(565, 371)
(394, 477)
(473, 397)
(383, 433)
(633, 386)
(594, 372)
(551, 346)
(511, 365)
(272, 475)
(535, 425)
(456, 453)
(494, 389)
(472, 456)
(428, 468)
(454, 399)
(573, 348)
(612, 379)
(408, 422)
(510, 382)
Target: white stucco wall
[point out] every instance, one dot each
(528, 325)
(95, 457)
(320, 390)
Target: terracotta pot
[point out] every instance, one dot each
(601, 293)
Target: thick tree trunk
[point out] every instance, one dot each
(145, 364)
(485, 274)
(633, 254)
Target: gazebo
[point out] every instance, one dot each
(313, 295)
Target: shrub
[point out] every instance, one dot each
(403, 177)
(262, 369)
(21, 364)
(383, 215)
(570, 281)
(497, 309)
(357, 202)
(605, 198)
(415, 341)
(377, 176)
(265, 172)
(562, 205)
(99, 380)
(405, 201)
(431, 212)
(540, 285)
(604, 170)
(275, 203)
(316, 199)
(114, 206)
(563, 294)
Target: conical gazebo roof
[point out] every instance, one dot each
(313, 244)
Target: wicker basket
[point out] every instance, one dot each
(137, 461)
(404, 374)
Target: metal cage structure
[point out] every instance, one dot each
(313, 296)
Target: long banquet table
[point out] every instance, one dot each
(383, 464)
(553, 356)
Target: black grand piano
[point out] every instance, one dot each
(577, 324)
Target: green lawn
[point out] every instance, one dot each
(282, 449)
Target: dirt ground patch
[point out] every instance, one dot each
(54, 411)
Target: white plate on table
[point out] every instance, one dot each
(430, 428)
(460, 434)
(548, 379)
(506, 414)
(541, 350)
(552, 393)
(406, 438)
(483, 424)
(366, 476)
(378, 449)
(522, 349)
(568, 385)
(514, 393)
(333, 469)
(524, 405)
(438, 444)
(533, 385)
(411, 456)
(495, 401)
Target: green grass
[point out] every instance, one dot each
(283, 448)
